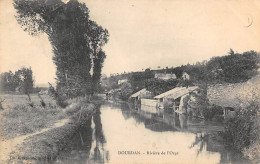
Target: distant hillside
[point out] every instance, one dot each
(232, 68)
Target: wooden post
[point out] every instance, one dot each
(174, 105)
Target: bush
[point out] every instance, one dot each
(126, 91)
(242, 131)
(212, 111)
(59, 98)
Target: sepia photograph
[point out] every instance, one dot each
(129, 81)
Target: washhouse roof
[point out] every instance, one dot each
(176, 92)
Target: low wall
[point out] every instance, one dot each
(234, 95)
(223, 95)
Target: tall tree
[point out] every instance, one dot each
(76, 40)
(97, 39)
(98, 61)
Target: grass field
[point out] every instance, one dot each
(12, 100)
(18, 118)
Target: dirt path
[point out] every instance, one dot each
(11, 145)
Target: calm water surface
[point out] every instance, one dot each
(120, 133)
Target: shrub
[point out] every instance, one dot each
(242, 131)
(126, 91)
(1, 106)
(60, 100)
(212, 111)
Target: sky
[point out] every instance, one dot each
(143, 34)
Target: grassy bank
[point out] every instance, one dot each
(37, 124)
(46, 146)
(18, 118)
(242, 132)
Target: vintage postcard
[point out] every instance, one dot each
(129, 81)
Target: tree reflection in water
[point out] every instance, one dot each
(80, 148)
(100, 139)
(206, 142)
(201, 141)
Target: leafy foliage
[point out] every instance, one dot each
(243, 130)
(8, 81)
(98, 64)
(26, 80)
(158, 86)
(126, 91)
(199, 102)
(212, 111)
(22, 79)
(60, 99)
(137, 79)
(76, 40)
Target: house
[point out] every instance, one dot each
(165, 76)
(122, 81)
(174, 98)
(185, 76)
(141, 94)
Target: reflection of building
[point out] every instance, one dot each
(172, 98)
(149, 105)
(169, 119)
(183, 121)
(165, 76)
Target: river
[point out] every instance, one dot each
(122, 133)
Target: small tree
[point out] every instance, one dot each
(60, 100)
(199, 103)
(1, 105)
(126, 91)
(26, 81)
(8, 82)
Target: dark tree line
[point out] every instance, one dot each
(76, 40)
(231, 68)
(158, 86)
(21, 81)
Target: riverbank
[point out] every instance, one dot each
(45, 144)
